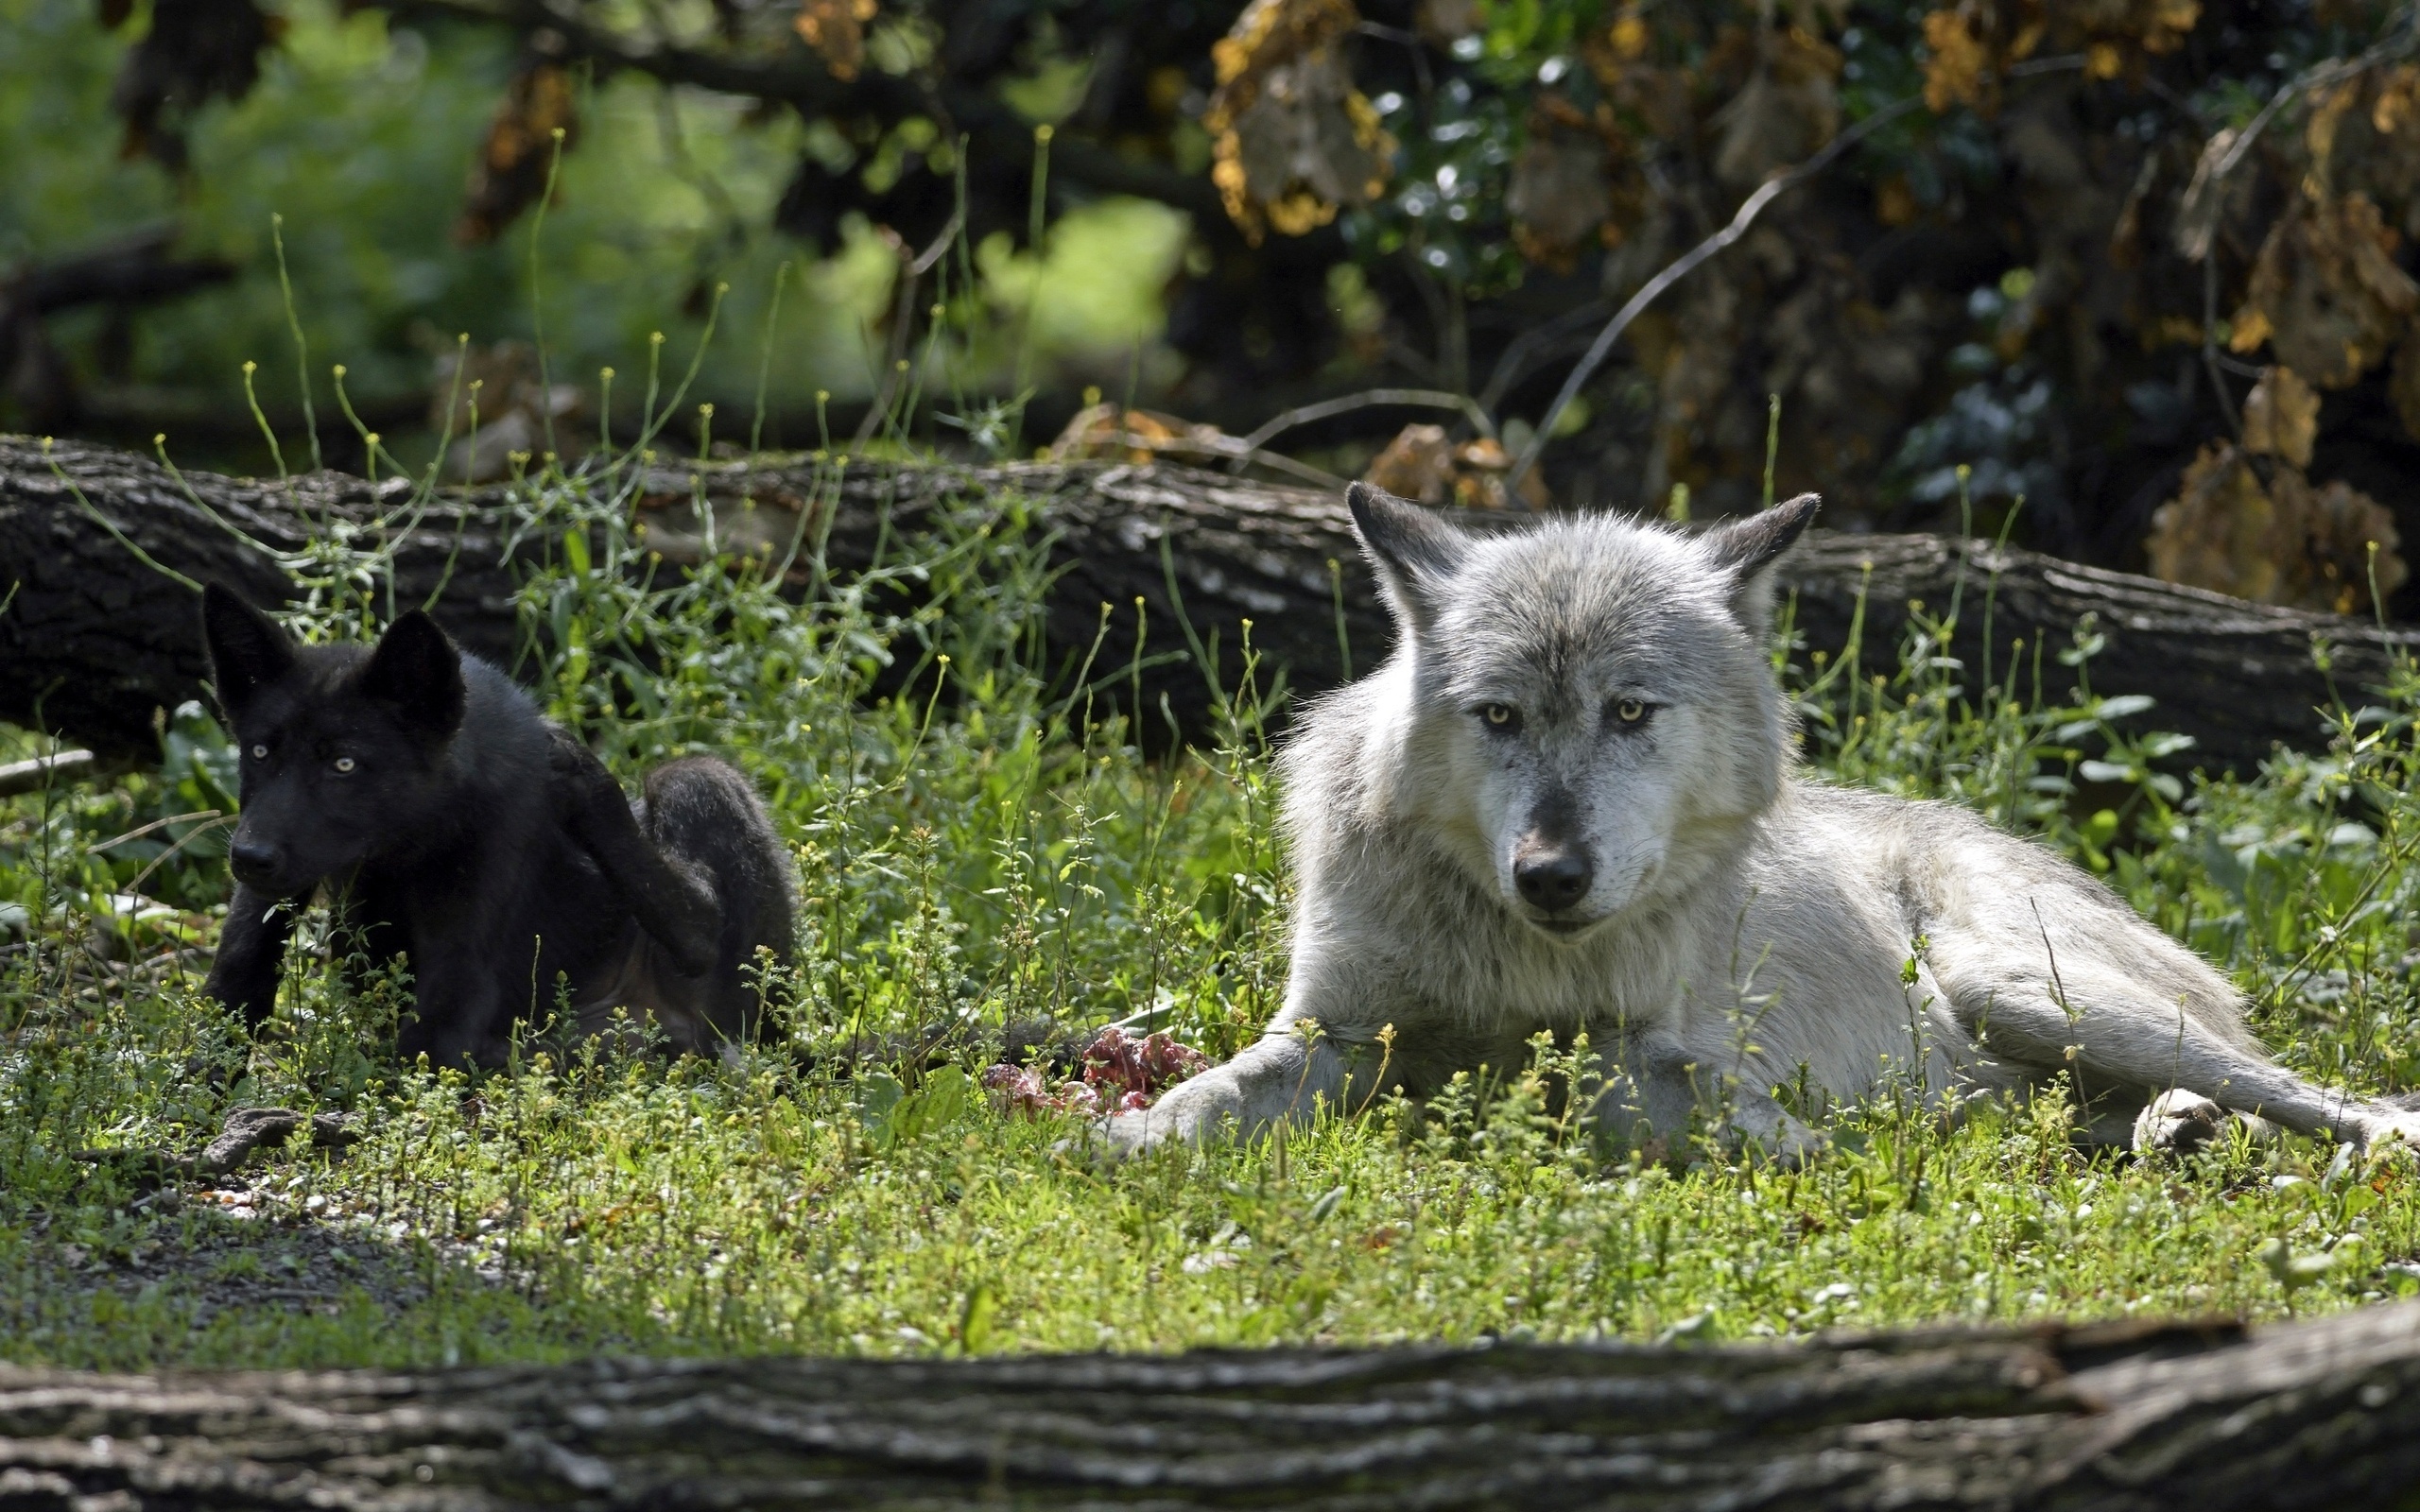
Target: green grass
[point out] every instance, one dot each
(987, 846)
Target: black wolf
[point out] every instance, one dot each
(456, 826)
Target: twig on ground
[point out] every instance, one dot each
(36, 773)
(1328, 408)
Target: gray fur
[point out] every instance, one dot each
(1716, 919)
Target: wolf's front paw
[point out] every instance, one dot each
(1143, 1129)
(2177, 1122)
(1113, 1137)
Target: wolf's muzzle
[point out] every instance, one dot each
(1553, 881)
(252, 862)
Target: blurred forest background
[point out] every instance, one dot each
(2145, 264)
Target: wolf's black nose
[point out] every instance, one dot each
(251, 860)
(1553, 880)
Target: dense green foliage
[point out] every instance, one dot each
(978, 848)
(2058, 243)
(360, 136)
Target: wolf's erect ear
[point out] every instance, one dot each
(1414, 549)
(1747, 549)
(417, 670)
(248, 650)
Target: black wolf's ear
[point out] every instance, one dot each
(418, 671)
(1414, 549)
(1747, 549)
(248, 650)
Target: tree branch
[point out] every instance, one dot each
(796, 76)
(2125, 1418)
(94, 641)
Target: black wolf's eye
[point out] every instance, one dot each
(260, 753)
(344, 763)
(1629, 711)
(1500, 716)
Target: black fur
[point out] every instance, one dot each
(469, 835)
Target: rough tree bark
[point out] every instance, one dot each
(2317, 1414)
(95, 641)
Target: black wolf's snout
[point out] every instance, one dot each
(254, 862)
(1553, 880)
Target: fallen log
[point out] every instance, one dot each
(2316, 1414)
(96, 639)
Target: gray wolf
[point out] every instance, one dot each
(454, 825)
(1569, 802)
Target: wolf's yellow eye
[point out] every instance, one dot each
(344, 763)
(260, 753)
(1629, 711)
(1498, 714)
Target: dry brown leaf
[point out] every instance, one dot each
(1292, 139)
(2349, 542)
(1418, 464)
(1663, 100)
(2326, 293)
(519, 151)
(192, 51)
(2281, 417)
(1852, 376)
(2363, 137)
(2276, 541)
(2134, 27)
(1421, 464)
(1443, 23)
(2404, 387)
(1573, 182)
(1894, 201)
(1954, 71)
(1786, 111)
(1137, 435)
(837, 29)
(1480, 470)
(2218, 531)
(1969, 44)
(1972, 43)
(1558, 197)
(1629, 38)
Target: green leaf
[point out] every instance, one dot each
(975, 1319)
